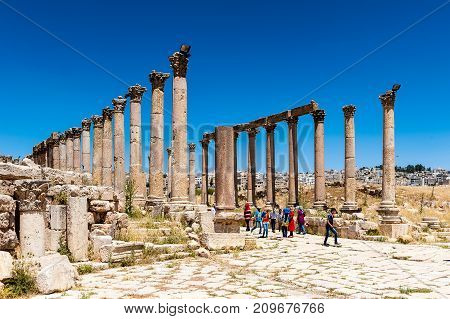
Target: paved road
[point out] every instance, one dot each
(299, 267)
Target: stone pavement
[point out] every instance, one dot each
(298, 268)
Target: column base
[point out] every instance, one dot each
(350, 207)
(389, 213)
(180, 200)
(394, 230)
(139, 201)
(319, 205)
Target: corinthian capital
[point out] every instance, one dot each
(98, 121)
(388, 99)
(252, 131)
(76, 132)
(158, 79)
(119, 104)
(192, 147)
(349, 110)
(270, 127)
(107, 113)
(178, 62)
(69, 133)
(319, 116)
(135, 93)
(86, 124)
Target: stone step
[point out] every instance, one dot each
(120, 250)
(151, 231)
(374, 238)
(166, 248)
(178, 255)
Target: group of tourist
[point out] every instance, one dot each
(285, 221)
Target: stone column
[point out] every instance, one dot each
(86, 145)
(350, 204)
(251, 168)
(205, 144)
(45, 154)
(236, 189)
(388, 208)
(62, 152)
(156, 158)
(192, 173)
(319, 165)
(224, 169)
(107, 147)
(119, 146)
(31, 205)
(97, 149)
(179, 62)
(135, 94)
(293, 161)
(69, 150)
(169, 171)
(270, 164)
(77, 149)
(50, 143)
(77, 228)
(55, 150)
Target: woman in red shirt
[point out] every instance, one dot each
(247, 215)
(291, 225)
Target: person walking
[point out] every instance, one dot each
(330, 228)
(265, 216)
(257, 218)
(280, 219)
(284, 226)
(273, 220)
(291, 224)
(301, 221)
(247, 216)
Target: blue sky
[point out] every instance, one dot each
(249, 59)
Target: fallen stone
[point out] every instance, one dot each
(218, 241)
(77, 228)
(97, 243)
(193, 245)
(55, 274)
(10, 171)
(195, 227)
(193, 236)
(366, 225)
(6, 220)
(202, 252)
(53, 239)
(100, 206)
(8, 239)
(6, 265)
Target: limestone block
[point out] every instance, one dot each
(202, 252)
(8, 239)
(100, 206)
(195, 227)
(366, 225)
(97, 243)
(55, 274)
(6, 265)
(7, 203)
(206, 219)
(7, 187)
(193, 236)
(225, 222)
(58, 216)
(96, 232)
(394, 230)
(32, 234)
(108, 229)
(193, 245)
(28, 162)
(10, 171)
(77, 228)
(53, 238)
(217, 241)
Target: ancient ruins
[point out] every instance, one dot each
(54, 199)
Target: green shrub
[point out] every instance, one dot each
(21, 284)
(85, 269)
(60, 198)
(373, 232)
(130, 193)
(63, 249)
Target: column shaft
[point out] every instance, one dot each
(69, 150)
(293, 161)
(205, 144)
(77, 149)
(192, 173)
(270, 165)
(62, 152)
(350, 180)
(156, 158)
(97, 149)
(107, 148)
(319, 165)
(119, 147)
(251, 167)
(224, 169)
(86, 145)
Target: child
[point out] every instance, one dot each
(257, 217)
(330, 228)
